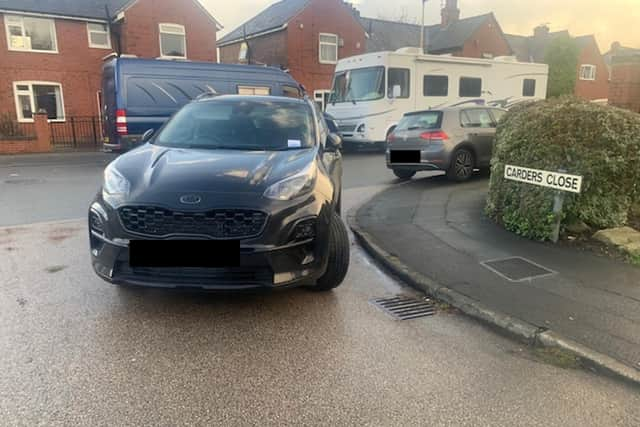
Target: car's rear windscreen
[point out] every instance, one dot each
(422, 120)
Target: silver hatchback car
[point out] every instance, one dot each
(457, 140)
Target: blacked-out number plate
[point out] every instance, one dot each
(184, 253)
(405, 156)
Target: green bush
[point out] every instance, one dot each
(601, 143)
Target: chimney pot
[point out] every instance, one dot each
(450, 13)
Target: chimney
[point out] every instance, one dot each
(541, 31)
(615, 46)
(450, 13)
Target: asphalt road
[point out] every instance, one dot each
(77, 351)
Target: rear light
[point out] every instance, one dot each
(121, 122)
(436, 134)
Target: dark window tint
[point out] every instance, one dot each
(240, 124)
(426, 120)
(470, 87)
(399, 77)
(529, 87)
(476, 118)
(436, 86)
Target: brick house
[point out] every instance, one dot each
(306, 37)
(592, 82)
(624, 89)
(51, 52)
(475, 37)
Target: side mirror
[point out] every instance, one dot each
(147, 135)
(334, 142)
(396, 92)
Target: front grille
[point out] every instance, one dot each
(217, 223)
(197, 276)
(347, 128)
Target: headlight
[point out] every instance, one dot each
(115, 184)
(294, 186)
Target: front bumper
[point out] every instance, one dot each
(270, 261)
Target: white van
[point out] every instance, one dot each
(371, 92)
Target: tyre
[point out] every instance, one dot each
(462, 165)
(338, 263)
(404, 175)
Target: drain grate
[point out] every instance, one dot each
(517, 269)
(402, 307)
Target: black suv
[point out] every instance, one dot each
(233, 193)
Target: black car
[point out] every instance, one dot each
(233, 193)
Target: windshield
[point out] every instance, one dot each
(364, 84)
(426, 120)
(240, 124)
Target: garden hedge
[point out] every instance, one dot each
(599, 142)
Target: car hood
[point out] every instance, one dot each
(155, 170)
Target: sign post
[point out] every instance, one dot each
(560, 181)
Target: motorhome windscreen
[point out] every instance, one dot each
(363, 84)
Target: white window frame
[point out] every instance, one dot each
(30, 83)
(321, 43)
(592, 74)
(52, 28)
(183, 34)
(108, 34)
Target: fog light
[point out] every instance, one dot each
(305, 230)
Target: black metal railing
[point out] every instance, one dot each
(76, 132)
(12, 129)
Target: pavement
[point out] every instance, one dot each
(75, 350)
(437, 230)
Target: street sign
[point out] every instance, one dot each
(556, 180)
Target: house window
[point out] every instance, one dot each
(470, 87)
(99, 36)
(436, 86)
(254, 90)
(529, 87)
(399, 77)
(173, 42)
(25, 33)
(32, 97)
(328, 48)
(587, 72)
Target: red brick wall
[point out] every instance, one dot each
(40, 142)
(625, 84)
(140, 32)
(488, 39)
(321, 16)
(270, 50)
(593, 89)
(76, 67)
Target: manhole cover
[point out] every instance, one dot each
(402, 307)
(517, 269)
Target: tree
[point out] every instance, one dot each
(562, 55)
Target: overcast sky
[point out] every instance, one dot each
(609, 20)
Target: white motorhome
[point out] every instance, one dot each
(371, 92)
